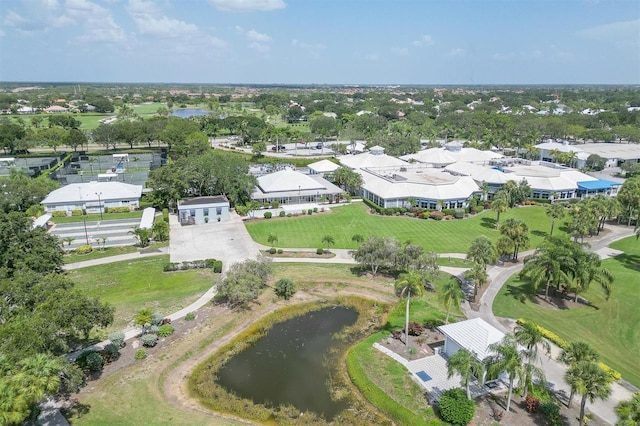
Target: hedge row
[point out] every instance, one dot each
(215, 265)
(398, 413)
(563, 344)
(117, 209)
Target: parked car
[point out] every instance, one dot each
(319, 146)
(278, 148)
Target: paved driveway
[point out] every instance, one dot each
(228, 241)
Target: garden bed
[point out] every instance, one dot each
(303, 254)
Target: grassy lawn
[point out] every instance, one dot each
(132, 285)
(108, 252)
(342, 223)
(612, 327)
(95, 217)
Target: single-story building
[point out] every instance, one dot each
(199, 210)
(474, 335)
(291, 187)
(451, 153)
(323, 167)
(94, 197)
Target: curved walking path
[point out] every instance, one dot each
(244, 247)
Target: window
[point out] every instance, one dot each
(218, 211)
(192, 213)
(206, 212)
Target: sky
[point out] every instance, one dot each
(430, 42)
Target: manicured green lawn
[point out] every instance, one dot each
(612, 327)
(342, 223)
(132, 285)
(108, 252)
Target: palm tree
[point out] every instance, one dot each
(507, 359)
(103, 240)
(409, 284)
(587, 270)
(328, 240)
(518, 233)
(357, 238)
(586, 378)
(451, 295)
(38, 376)
(554, 211)
(142, 235)
(549, 265)
(68, 240)
(272, 239)
(482, 251)
(500, 204)
(529, 335)
(485, 190)
(466, 364)
(575, 353)
(477, 274)
(629, 411)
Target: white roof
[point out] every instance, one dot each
(324, 166)
(88, 192)
(474, 335)
(421, 182)
(148, 215)
(549, 146)
(613, 150)
(367, 159)
(481, 173)
(444, 156)
(287, 180)
(41, 221)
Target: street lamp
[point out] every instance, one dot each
(99, 203)
(299, 198)
(84, 216)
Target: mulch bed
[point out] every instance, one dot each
(419, 346)
(304, 254)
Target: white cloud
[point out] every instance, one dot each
(248, 5)
(97, 22)
(373, 57)
(150, 21)
(502, 56)
(14, 19)
(621, 34)
(424, 40)
(533, 55)
(311, 48)
(259, 42)
(257, 37)
(457, 52)
(400, 51)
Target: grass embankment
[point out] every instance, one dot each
(342, 223)
(97, 253)
(135, 284)
(95, 217)
(612, 327)
(203, 386)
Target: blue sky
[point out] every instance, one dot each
(322, 41)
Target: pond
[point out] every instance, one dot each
(189, 112)
(287, 365)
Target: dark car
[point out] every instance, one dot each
(319, 146)
(278, 148)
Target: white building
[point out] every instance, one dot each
(199, 210)
(451, 153)
(292, 187)
(614, 153)
(93, 197)
(546, 154)
(323, 167)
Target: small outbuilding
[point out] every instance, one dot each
(199, 210)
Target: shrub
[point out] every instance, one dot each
(117, 338)
(275, 204)
(149, 340)
(267, 215)
(59, 213)
(153, 329)
(532, 403)
(84, 249)
(448, 217)
(285, 288)
(140, 354)
(190, 316)
(272, 250)
(95, 362)
(448, 212)
(425, 215)
(119, 209)
(319, 250)
(166, 330)
(165, 215)
(289, 215)
(551, 413)
(433, 323)
(282, 213)
(156, 318)
(76, 212)
(459, 213)
(81, 360)
(310, 212)
(415, 328)
(280, 251)
(143, 316)
(217, 267)
(479, 208)
(436, 215)
(315, 210)
(111, 352)
(455, 408)
(614, 376)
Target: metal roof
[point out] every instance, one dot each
(594, 185)
(475, 335)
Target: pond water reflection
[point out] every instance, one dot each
(189, 112)
(287, 365)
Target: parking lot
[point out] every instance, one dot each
(116, 232)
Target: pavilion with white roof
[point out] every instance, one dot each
(292, 187)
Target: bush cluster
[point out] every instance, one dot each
(455, 408)
(84, 249)
(90, 361)
(415, 329)
(267, 215)
(165, 330)
(190, 316)
(282, 213)
(117, 338)
(436, 215)
(59, 213)
(320, 250)
(140, 354)
(563, 344)
(117, 209)
(76, 212)
(165, 215)
(213, 264)
(149, 340)
(551, 413)
(285, 288)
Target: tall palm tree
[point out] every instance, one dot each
(587, 270)
(529, 335)
(499, 204)
(549, 264)
(587, 379)
(466, 364)
(482, 251)
(518, 233)
(629, 411)
(409, 284)
(507, 359)
(575, 353)
(272, 239)
(555, 211)
(451, 295)
(477, 274)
